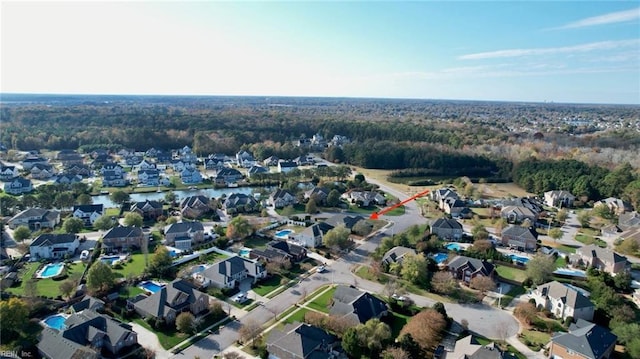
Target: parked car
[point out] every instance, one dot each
(240, 298)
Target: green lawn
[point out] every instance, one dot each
(322, 302)
(168, 337)
(130, 292)
(587, 240)
(136, 267)
(566, 248)
(297, 316)
(399, 211)
(256, 242)
(397, 323)
(45, 287)
(511, 273)
(297, 209)
(513, 292)
(112, 212)
(535, 339)
(268, 285)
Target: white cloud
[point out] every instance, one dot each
(610, 18)
(593, 46)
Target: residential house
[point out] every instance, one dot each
(87, 302)
(245, 159)
(78, 169)
(53, 246)
(441, 195)
(615, 205)
(357, 306)
(302, 341)
(68, 178)
(470, 348)
(228, 273)
(195, 206)
(239, 203)
(518, 214)
(18, 186)
(269, 254)
(100, 160)
(122, 238)
(520, 237)
(346, 220)
(146, 165)
(285, 166)
(133, 160)
(364, 198)
(271, 161)
(447, 229)
(563, 301)
(531, 203)
(631, 235)
(466, 268)
(339, 140)
(187, 155)
(87, 334)
(318, 141)
(612, 230)
(112, 166)
(297, 253)
(69, 157)
(35, 219)
(163, 157)
(584, 340)
(148, 209)
(256, 170)
(113, 178)
(629, 220)
(395, 254)
(559, 199)
(225, 176)
(312, 236)
(303, 160)
(7, 173)
(31, 161)
(603, 259)
(183, 235)
(174, 298)
(456, 208)
(149, 177)
(180, 165)
(88, 213)
(213, 164)
(190, 176)
(42, 171)
(318, 193)
(281, 198)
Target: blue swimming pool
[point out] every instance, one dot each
(440, 257)
(453, 247)
(199, 268)
(151, 286)
(110, 260)
(55, 321)
(51, 270)
(519, 259)
(244, 252)
(283, 233)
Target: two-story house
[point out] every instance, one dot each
(148, 209)
(396, 254)
(7, 172)
(225, 176)
(174, 298)
(447, 229)
(42, 171)
(559, 199)
(319, 194)
(466, 268)
(53, 246)
(35, 219)
(183, 235)
(190, 176)
(239, 203)
(302, 341)
(228, 273)
(195, 206)
(122, 238)
(311, 236)
(286, 166)
(88, 213)
(149, 177)
(18, 186)
(603, 259)
(563, 301)
(255, 171)
(356, 306)
(281, 198)
(523, 238)
(584, 340)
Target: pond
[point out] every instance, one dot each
(180, 194)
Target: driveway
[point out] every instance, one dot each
(149, 340)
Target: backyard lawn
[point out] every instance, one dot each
(397, 322)
(322, 302)
(268, 285)
(511, 273)
(136, 267)
(45, 287)
(256, 242)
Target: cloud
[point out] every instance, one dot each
(610, 18)
(593, 46)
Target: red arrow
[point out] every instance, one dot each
(375, 215)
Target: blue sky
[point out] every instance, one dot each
(515, 51)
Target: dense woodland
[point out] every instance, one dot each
(540, 146)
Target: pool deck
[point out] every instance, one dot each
(39, 274)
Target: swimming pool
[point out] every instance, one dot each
(453, 247)
(51, 270)
(151, 286)
(283, 234)
(244, 252)
(570, 272)
(199, 268)
(55, 321)
(110, 260)
(440, 257)
(519, 259)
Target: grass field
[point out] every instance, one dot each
(322, 302)
(136, 267)
(587, 240)
(256, 242)
(267, 286)
(45, 287)
(511, 273)
(297, 316)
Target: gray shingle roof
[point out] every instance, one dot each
(604, 254)
(344, 219)
(520, 232)
(53, 345)
(586, 338)
(353, 303)
(446, 223)
(159, 303)
(568, 295)
(474, 264)
(123, 232)
(299, 341)
(230, 267)
(48, 239)
(396, 253)
(182, 227)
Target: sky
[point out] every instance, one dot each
(575, 51)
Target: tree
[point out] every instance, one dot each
(64, 200)
(103, 223)
(414, 268)
(184, 322)
(395, 353)
(479, 232)
(584, 217)
(73, 225)
(628, 246)
(84, 199)
(562, 215)
(425, 328)
(632, 194)
(119, 197)
(555, 233)
(482, 245)
(21, 233)
(14, 314)
(170, 197)
(239, 228)
(100, 277)
(337, 237)
(311, 207)
(67, 288)
(362, 228)
(333, 198)
(351, 343)
(540, 268)
(133, 219)
(525, 312)
(160, 263)
(250, 331)
(444, 283)
(483, 284)
(373, 334)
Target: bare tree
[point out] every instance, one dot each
(503, 329)
(232, 355)
(250, 331)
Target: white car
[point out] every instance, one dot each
(240, 298)
(84, 255)
(321, 269)
(398, 297)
